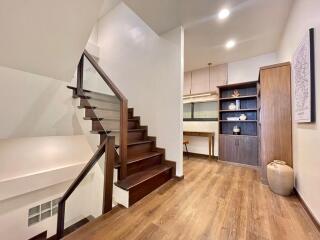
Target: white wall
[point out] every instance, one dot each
(306, 137)
(34, 105)
(148, 69)
(248, 69)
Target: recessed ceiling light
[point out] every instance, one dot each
(230, 44)
(224, 13)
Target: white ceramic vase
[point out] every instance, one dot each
(280, 177)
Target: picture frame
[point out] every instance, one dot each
(303, 73)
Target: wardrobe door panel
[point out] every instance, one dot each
(276, 123)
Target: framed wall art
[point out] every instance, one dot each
(303, 73)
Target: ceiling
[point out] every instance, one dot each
(46, 37)
(256, 25)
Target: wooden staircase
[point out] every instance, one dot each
(147, 168)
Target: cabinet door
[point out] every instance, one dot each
(218, 76)
(228, 149)
(187, 83)
(276, 124)
(248, 150)
(200, 81)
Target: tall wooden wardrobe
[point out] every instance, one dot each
(275, 116)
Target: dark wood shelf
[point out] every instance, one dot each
(244, 135)
(240, 110)
(240, 97)
(238, 121)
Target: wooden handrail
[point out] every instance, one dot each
(106, 147)
(123, 108)
(105, 77)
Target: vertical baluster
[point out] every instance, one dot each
(60, 225)
(108, 173)
(123, 138)
(80, 76)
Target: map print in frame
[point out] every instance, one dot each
(303, 72)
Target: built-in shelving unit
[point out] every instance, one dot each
(241, 148)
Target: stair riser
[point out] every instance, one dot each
(146, 187)
(130, 114)
(135, 150)
(99, 104)
(144, 164)
(105, 125)
(92, 113)
(136, 136)
(133, 124)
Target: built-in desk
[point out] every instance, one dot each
(209, 135)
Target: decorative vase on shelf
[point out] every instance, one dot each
(243, 117)
(236, 93)
(280, 177)
(238, 104)
(232, 106)
(236, 130)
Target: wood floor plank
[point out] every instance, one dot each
(215, 201)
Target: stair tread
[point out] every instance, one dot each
(133, 119)
(101, 97)
(89, 91)
(102, 118)
(99, 108)
(139, 142)
(139, 177)
(117, 130)
(75, 88)
(140, 157)
(101, 131)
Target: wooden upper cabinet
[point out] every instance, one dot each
(218, 76)
(200, 81)
(187, 83)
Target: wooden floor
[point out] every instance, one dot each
(215, 201)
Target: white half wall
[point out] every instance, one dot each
(14, 213)
(248, 69)
(39, 154)
(148, 69)
(306, 137)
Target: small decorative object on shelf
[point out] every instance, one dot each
(232, 106)
(237, 104)
(243, 117)
(236, 93)
(236, 130)
(233, 118)
(280, 177)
